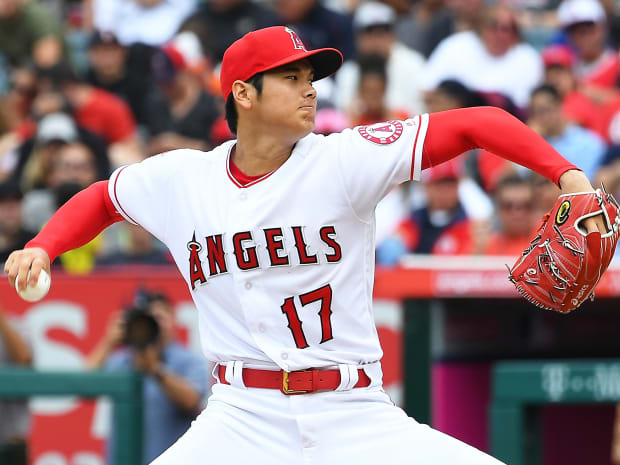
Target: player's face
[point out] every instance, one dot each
(288, 100)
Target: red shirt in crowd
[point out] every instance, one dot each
(106, 115)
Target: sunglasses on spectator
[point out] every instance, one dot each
(377, 28)
(508, 205)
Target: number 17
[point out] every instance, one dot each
(322, 294)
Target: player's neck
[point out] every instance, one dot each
(257, 156)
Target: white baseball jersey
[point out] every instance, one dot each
(281, 269)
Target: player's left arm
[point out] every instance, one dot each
(453, 132)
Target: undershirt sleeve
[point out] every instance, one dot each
(453, 132)
(78, 221)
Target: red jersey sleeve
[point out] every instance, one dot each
(78, 221)
(453, 132)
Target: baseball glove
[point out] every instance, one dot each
(564, 263)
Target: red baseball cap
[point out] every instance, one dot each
(268, 48)
(559, 55)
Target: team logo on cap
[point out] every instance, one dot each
(382, 133)
(297, 43)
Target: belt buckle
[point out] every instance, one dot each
(288, 391)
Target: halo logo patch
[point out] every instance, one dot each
(562, 214)
(382, 133)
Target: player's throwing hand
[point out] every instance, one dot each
(21, 261)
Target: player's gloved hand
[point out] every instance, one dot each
(572, 249)
(573, 181)
(21, 261)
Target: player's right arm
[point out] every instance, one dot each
(76, 223)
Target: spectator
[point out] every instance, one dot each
(9, 141)
(175, 378)
(424, 228)
(140, 248)
(490, 59)
(29, 31)
(34, 156)
(369, 106)
(584, 22)
(180, 113)
(150, 22)
(318, 26)
(578, 145)
(546, 194)
(119, 70)
(427, 23)
(19, 100)
(73, 168)
(102, 113)
(12, 232)
(576, 105)
(374, 24)
(14, 351)
(218, 23)
(514, 199)
(580, 103)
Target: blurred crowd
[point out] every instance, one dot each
(90, 85)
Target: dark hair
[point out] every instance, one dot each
(372, 64)
(10, 190)
(60, 74)
(460, 92)
(157, 297)
(511, 181)
(549, 90)
(232, 116)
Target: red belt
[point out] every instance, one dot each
(294, 382)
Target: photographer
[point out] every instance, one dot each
(175, 378)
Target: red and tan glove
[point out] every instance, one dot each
(564, 263)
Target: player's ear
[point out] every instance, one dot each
(242, 93)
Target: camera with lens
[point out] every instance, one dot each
(141, 328)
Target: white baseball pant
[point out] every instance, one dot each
(358, 426)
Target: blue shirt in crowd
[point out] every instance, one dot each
(581, 147)
(164, 422)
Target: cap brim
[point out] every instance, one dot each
(324, 61)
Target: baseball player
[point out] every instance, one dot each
(274, 235)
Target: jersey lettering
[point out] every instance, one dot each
(215, 254)
(326, 233)
(195, 267)
(273, 236)
(246, 251)
(246, 257)
(301, 247)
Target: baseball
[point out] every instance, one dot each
(39, 290)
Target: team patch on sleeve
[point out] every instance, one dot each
(383, 133)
